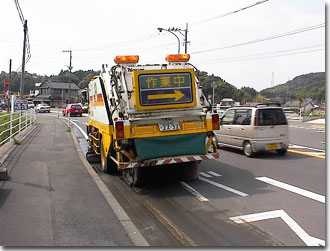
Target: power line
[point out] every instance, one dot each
(290, 33)
(26, 39)
(229, 13)
(256, 55)
(256, 58)
(20, 13)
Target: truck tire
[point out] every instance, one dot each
(189, 171)
(108, 165)
(133, 176)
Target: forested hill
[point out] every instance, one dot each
(305, 86)
(82, 78)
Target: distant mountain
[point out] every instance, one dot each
(305, 86)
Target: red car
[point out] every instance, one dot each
(73, 109)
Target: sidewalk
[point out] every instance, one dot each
(50, 199)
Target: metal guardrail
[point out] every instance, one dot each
(14, 123)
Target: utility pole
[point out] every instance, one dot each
(23, 60)
(70, 69)
(214, 85)
(186, 39)
(273, 86)
(8, 91)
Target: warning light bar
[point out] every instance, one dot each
(126, 59)
(177, 58)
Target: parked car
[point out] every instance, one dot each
(30, 104)
(85, 108)
(253, 129)
(73, 109)
(42, 108)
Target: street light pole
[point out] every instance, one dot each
(162, 29)
(185, 35)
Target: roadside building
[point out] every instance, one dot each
(306, 106)
(229, 102)
(56, 94)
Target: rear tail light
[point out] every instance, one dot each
(215, 121)
(119, 129)
(256, 118)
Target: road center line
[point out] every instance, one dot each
(224, 187)
(297, 190)
(317, 155)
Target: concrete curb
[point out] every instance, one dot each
(134, 234)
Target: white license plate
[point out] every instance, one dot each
(168, 126)
(76, 110)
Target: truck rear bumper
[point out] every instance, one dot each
(166, 161)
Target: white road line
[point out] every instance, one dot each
(293, 189)
(214, 174)
(205, 175)
(305, 237)
(224, 187)
(305, 147)
(316, 153)
(194, 192)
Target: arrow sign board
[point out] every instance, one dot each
(164, 89)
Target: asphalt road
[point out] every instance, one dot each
(285, 194)
(307, 134)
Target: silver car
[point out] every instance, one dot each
(42, 108)
(253, 129)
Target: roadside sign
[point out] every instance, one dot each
(21, 105)
(6, 83)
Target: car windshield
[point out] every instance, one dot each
(75, 106)
(268, 117)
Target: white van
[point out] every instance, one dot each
(253, 129)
